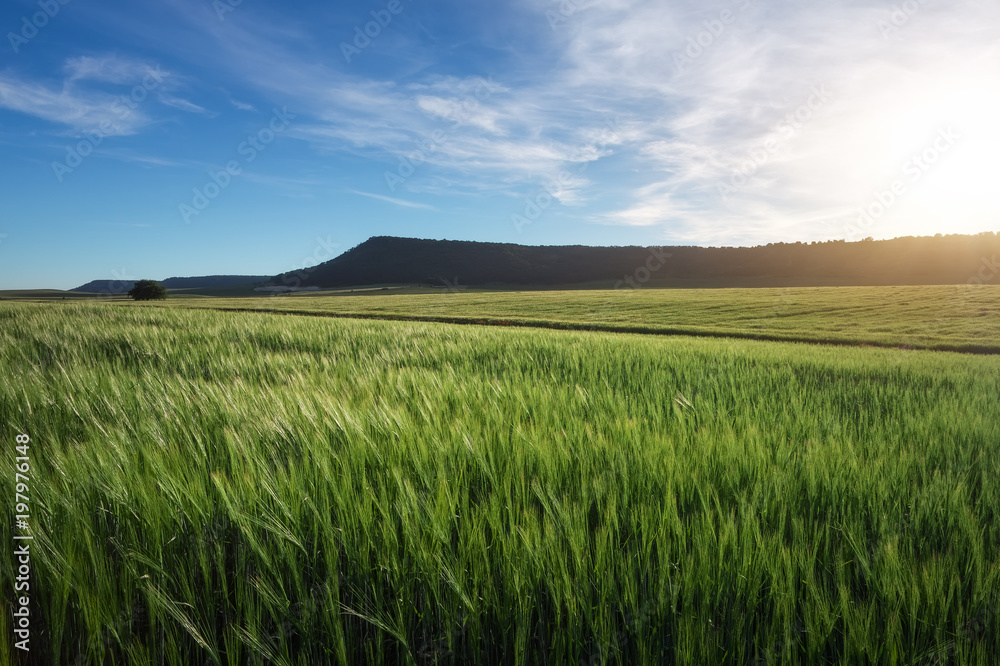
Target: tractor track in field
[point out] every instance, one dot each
(635, 329)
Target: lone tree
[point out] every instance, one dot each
(148, 290)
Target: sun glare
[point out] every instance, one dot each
(946, 146)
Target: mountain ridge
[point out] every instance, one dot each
(381, 260)
(950, 259)
(199, 282)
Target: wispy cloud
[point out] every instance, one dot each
(491, 133)
(393, 200)
(109, 68)
(132, 157)
(706, 122)
(790, 117)
(81, 110)
(242, 106)
(182, 104)
(79, 103)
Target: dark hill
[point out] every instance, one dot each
(911, 260)
(205, 282)
(213, 281)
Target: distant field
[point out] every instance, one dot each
(47, 295)
(958, 318)
(237, 488)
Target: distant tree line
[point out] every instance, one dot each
(953, 259)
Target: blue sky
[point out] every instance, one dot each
(192, 137)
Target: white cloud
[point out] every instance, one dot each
(82, 110)
(393, 200)
(123, 155)
(491, 133)
(454, 110)
(689, 102)
(182, 104)
(110, 69)
(720, 120)
(77, 103)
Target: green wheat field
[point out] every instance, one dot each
(950, 318)
(236, 487)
